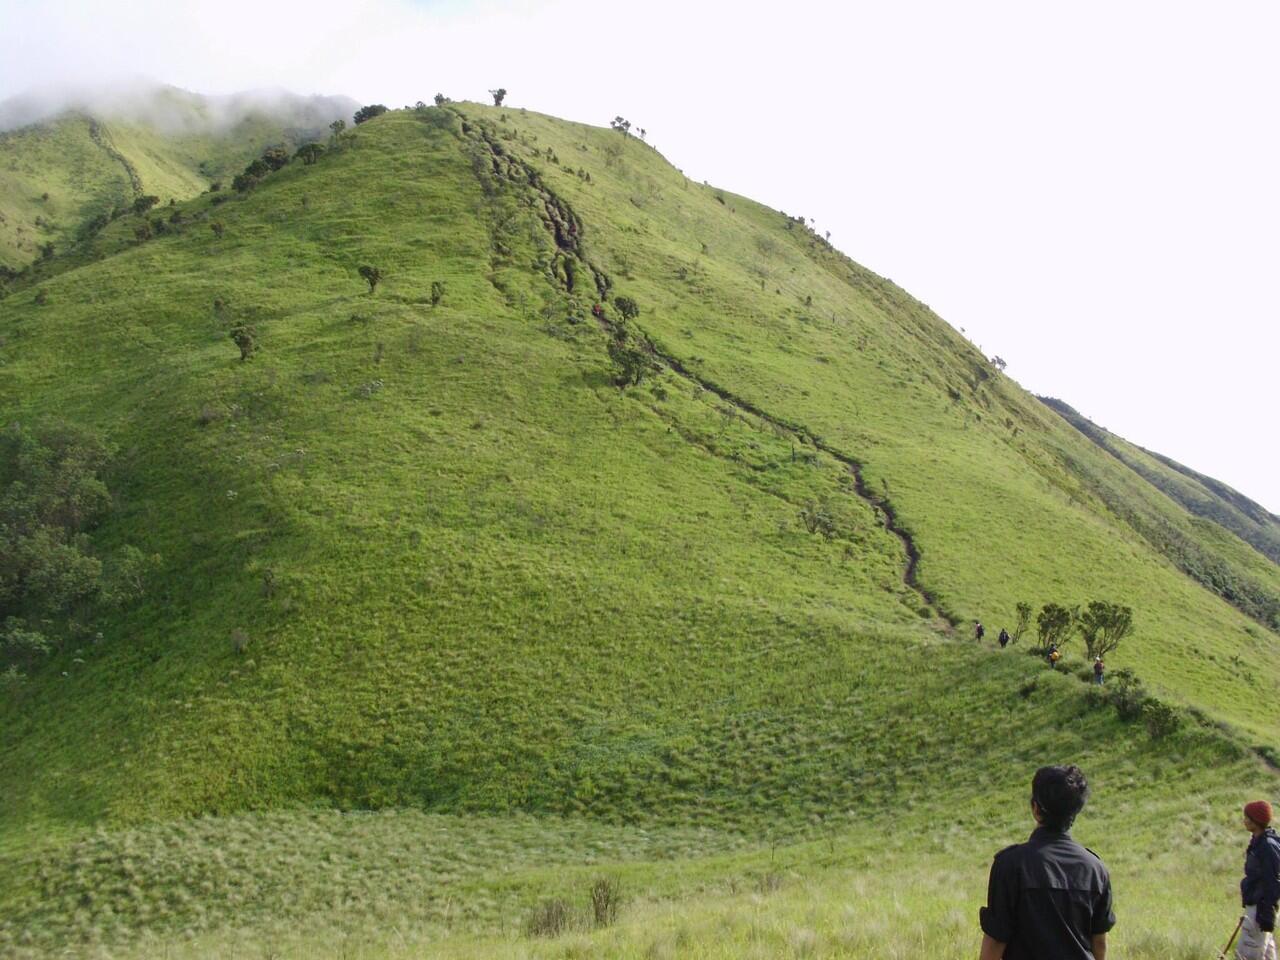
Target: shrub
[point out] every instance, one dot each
(1125, 692)
(437, 292)
(337, 127)
(218, 228)
(605, 899)
(245, 337)
(441, 99)
(275, 157)
(371, 275)
(626, 307)
(143, 204)
(1161, 719)
(550, 918)
(498, 96)
(244, 182)
(817, 518)
(368, 113)
(1023, 621)
(142, 232)
(93, 225)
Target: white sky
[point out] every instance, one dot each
(1090, 190)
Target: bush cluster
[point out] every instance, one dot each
(52, 581)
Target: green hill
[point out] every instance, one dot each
(63, 174)
(422, 554)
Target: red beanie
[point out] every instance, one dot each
(1259, 812)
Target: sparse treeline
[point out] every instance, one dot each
(1101, 624)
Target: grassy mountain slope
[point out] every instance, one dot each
(1202, 496)
(477, 577)
(59, 173)
(990, 482)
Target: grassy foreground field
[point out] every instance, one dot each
(447, 623)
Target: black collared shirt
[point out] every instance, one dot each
(1047, 899)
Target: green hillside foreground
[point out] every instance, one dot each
(551, 627)
(61, 176)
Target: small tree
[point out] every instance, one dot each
(143, 204)
(1024, 620)
(244, 182)
(309, 153)
(371, 275)
(626, 307)
(998, 363)
(142, 231)
(441, 99)
(1103, 625)
(498, 96)
(369, 112)
(245, 338)
(437, 292)
(623, 126)
(218, 228)
(1054, 624)
(632, 363)
(337, 127)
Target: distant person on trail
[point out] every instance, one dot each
(978, 630)
(1260, 888)
(1004, 638)
(1098, 667)
(1053, 656)
(1049, 898)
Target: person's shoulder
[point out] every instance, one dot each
(1095, 860)
(1010, 853)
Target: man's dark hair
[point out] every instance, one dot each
(1060, 793)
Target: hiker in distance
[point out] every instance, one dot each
(1049, 898)
(1098, 668)
(979, 631)
(1260, 888)
(1004, 638)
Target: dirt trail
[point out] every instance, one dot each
(102, 137)
(566, 229)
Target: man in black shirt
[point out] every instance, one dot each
(1049, 898)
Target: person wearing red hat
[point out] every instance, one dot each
(1260, 888)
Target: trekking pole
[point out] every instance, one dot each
(1227, 948)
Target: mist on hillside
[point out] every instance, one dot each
(169, 109)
